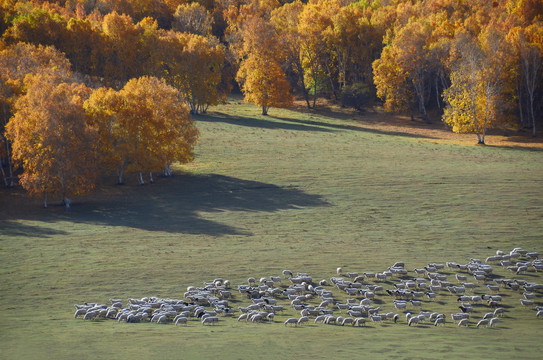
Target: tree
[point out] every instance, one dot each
(144, 127)
(473, 99)
(264, 83)
(529, 44)
(285, 20)
(262, 80)
(52, 140)
(193, 18)
(16, 62)
(314, 19)
(193, 63)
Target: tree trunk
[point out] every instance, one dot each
(3, 172)
(437, 94)
(331, 81)
(140, 178)
(121, 175)
(300, 70)
(151, 180)
(45, 201)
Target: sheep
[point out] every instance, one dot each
(339, 271)
(493, 288)
(439, 321)
(419, 271)
(181, 320)
(360, 321)
(459, 316)
(413, 321)
(320, 319)
(79, 312)
(303, 320)
(498, 312)
(347, 320)
(210, 320)
(493, 321)
(488, 315)
(528, 296)
(463, 322)
(539, 314)
(291, 321)
(525, 302)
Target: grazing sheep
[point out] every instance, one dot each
(488, 315)
(493, 321)
(80, 312)
(499, 312)
(291, 321)
(360, 321)
(539, 313)
(339, 271)
(463, 322)
(181, 320)
(210, 320)
(347, 320)
(525, 302)
(413, 321)
(440, 321)
(303, 320)
(482, 322)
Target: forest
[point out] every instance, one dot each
(95, 87)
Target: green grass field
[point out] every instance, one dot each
(305, 191)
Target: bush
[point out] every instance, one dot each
(356, 95)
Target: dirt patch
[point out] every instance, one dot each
(435, 131)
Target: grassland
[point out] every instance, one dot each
(307, 191)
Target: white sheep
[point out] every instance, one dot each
(181, 320)
(291, 321)
(359, 321)
(463, 322)
(493, 321)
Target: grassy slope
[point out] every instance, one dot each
(293, 190)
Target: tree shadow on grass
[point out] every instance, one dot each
(12, 229)
(174, 205)
(348, 127)
(259, 122)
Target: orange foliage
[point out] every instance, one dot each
(48, 132)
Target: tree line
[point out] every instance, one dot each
(477, 63)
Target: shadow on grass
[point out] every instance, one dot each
(259, 122)
(346, 127)
(174, 205)
(277, 122)
(12, 228)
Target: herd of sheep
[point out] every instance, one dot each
(349, 298)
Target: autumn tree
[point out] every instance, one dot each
(144, 127)
(262, 80)
(473, 99)
(528, 42)
(193, 18)
(285, 19)
(313, 21)
(193, 64)
(52, 140)
(16, 62)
